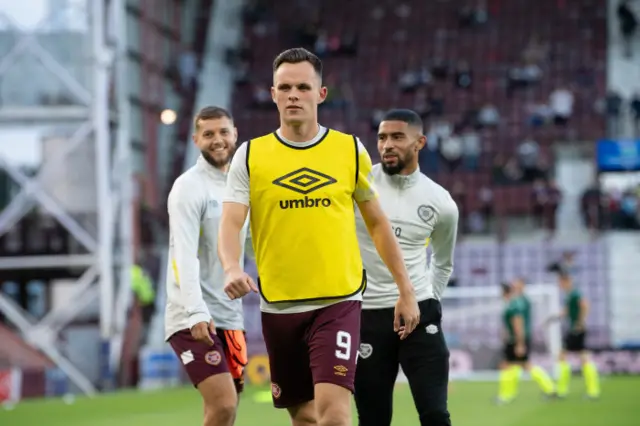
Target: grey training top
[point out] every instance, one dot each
(422, 214)
(195, 278)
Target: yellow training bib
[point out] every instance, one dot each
(302, 218)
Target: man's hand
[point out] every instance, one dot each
(520, 349)
(238, 283)
(202, 332)
(407, 312)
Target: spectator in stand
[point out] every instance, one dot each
(628, 26)
(540, 199)
(520, 77)
(413, 77)
(536, 52)
(591, 208)
(613, 109)
(539, 114)
(635, 112)
(321, 45)
(261, 97)
(471, 149)
(376, 118)
(439, 68)
(486, 205)
(451, 150)
(512, 171)
(553, 202)
(474, 14)
(436, 101)
(421, 104)
(528, 153)
(561, 103)
(188, 68)
(464, 75)
(488, 116)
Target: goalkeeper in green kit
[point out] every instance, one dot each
(575, 312)
(517, 322)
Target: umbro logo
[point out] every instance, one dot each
(432, 329)
(304, 180)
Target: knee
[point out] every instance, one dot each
(222, 413)
(334, 416)
(304, 420)
(303, 415)
(435, 418)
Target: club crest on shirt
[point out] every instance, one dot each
(427, 214)
(365, 350)
(213, 358)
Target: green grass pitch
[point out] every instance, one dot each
(470, 405)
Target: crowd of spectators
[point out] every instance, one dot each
(491, 119)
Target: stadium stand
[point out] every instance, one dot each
(457, 64)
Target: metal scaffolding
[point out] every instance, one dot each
(110, 251)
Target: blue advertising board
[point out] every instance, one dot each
(618, 155)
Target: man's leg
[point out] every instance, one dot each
(334, 339)
(291, 379)
(564, 375)
(542, 379)
(377, 368)
(508, 378)
(207, 368)
(589, 368)
(424, 358)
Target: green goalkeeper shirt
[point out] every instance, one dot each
(514, 307)
(572, 305)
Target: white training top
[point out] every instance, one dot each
(422, 213)
(195, 278)
(238, 192)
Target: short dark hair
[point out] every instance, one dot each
(211, 113)
(406, 115)
(296, 56)
(506, 289)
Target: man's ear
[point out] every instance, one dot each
(323, 94)
(422, 140)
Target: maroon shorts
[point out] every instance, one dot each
(227, 355)
(304, 349)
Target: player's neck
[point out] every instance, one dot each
(409, 170)
(303, 132)
(224, 168)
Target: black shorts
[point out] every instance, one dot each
(509, 352)
(575, 341)
(423, 356)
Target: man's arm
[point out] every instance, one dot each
(184, 225)
(584, 311)
(235, 208)
(517, 322)
(443, 244)
(378, 224)
(229, 246)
